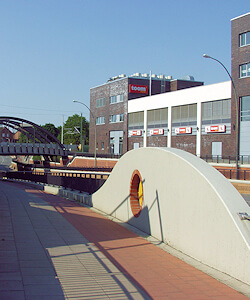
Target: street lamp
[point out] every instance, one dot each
(237, 114)
(75, 101)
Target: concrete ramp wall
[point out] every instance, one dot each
(186, 204)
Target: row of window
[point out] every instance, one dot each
(5, 135)
(214, 111)
(113, 99)
(244, 40)
(112, 119)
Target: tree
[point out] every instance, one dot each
(51, 128)
(33, 133)
(72, 129)
(23, 138)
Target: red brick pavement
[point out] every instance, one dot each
(159, 274)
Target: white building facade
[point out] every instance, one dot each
(197, 120)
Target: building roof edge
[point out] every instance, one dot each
(108, 82)
(240, 16)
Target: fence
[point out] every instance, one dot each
(243, 159)
(83, 182)
(231, 173)
(98, 155)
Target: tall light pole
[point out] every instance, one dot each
(62, 129)
(237, 114)
(75, 101)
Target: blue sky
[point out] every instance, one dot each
(52, 51)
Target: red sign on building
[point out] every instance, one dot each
(138, 89)
(183, 130)
(157, 131)
(135, 132)
(215, 128)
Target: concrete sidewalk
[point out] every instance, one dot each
(53, 248)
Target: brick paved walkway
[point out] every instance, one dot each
(159, 274)
(52, 248)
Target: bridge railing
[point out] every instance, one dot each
(32, 149)
(88, 182)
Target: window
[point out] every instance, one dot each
(116, 118)
(116, 99)
(244, 39)
(216, 111)
(245, 70)
(102, 145)
(245, 108)
(100, 102)
(184, 115)
(100, 120)
(158, 117)
(136, 120)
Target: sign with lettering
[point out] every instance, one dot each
(138, 89)
(183, 130)
(135, 132)
(215, 128)
(156, 131)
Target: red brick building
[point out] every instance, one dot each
(109, 104)
(241, 77)
(5, 135)
(157, 111)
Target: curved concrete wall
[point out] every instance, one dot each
(187, 204)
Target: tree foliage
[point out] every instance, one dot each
(23, 138)
(72, 129)
(52, 129)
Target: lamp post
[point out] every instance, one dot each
(75, 101)
(237, 114)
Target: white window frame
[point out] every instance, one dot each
(116, 99)
(100, 102)
(245, 70)
(116, 118)
(243, 39)
(100, 120)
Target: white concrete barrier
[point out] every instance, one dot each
(186, 204)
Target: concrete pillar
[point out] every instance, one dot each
(169, 125)
(198, 134)
(145, 128)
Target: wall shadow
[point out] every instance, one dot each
(93, 227)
